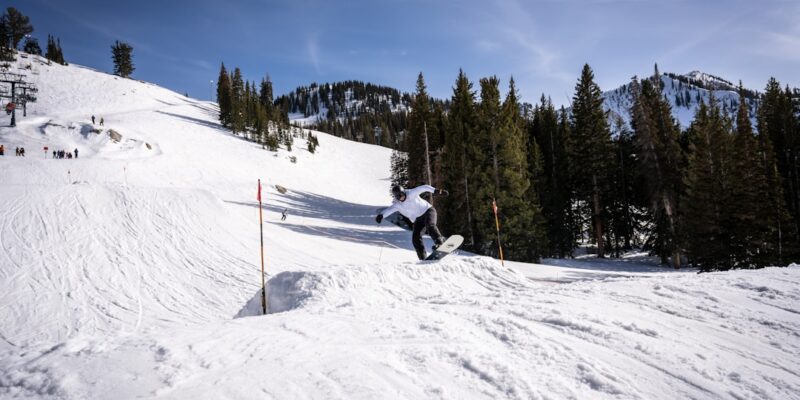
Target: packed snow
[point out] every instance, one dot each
(134, 271)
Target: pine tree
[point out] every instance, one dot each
(456, 212)
(776, 125)
(122, 54)
(748, 183)
(549, 174)
(590, 155)
(16, 25)
(484, 174)
(399, 165)
(32, 46)
(54, 52)
(524, 236)
(6, 53)
(659, 163)
(707, 195)
(624, 203)
(265, 94)
(238, 103)
(224, 97)
(782, 238)
(420, 124)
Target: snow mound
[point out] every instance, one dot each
(383, 284)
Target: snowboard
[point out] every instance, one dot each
(451, 244)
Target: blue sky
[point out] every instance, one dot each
(541, 43)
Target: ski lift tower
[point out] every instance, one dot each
(20, 93)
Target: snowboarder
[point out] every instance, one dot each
(283, 214)
(410, 205)
(76, 153)
(92, 119)
(101, 121)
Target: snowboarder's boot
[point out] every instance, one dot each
(421, 254)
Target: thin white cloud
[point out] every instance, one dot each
(519, 26)
(313, 52)
(487, 46)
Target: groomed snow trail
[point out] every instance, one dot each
(133, 271)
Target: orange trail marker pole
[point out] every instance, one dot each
(497, 224)
(261, 229)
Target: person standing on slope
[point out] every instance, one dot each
(412, 206)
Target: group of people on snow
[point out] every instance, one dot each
(19, 151)
(101, 120)
(65, 154)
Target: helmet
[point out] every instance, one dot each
(397, 191)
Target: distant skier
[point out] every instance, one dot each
(101, 121)
(410, 205)
(76, 153)
(92, 119)
(283, 214)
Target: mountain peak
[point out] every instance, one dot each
(709, 81)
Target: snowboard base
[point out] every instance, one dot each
(451, 244)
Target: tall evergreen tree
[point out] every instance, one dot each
(482, 150)
(590, 155)
(420, 123)
(16, 25)
(748, 212)
(776, 125)
(659, 163)
(624, 201)
(457, 213)
(238, 104)
(6, 53)
(549, 174)
(224, 96)
(265, 94)
(54, 52)
(525, 238)
(122, 54)
(707, 192)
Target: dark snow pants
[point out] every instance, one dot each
(425, 222)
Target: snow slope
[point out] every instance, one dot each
(684, 98)
(133, 271)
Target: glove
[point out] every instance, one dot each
(443, 192)
(379, 218)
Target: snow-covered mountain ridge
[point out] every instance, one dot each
(684, 93)
(133, 271)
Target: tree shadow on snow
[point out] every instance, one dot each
(345, 221)
(197, 121)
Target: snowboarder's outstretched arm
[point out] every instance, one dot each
(386, 212)
(420, 190)
(427, 189)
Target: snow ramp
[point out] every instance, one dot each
(450, 280)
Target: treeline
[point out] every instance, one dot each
(717, 195)
(252, 112)
(15, 26)
(352, 110)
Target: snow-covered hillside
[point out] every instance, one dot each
(684, 93)
(133, 271)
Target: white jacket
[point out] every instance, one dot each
(414, 206)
